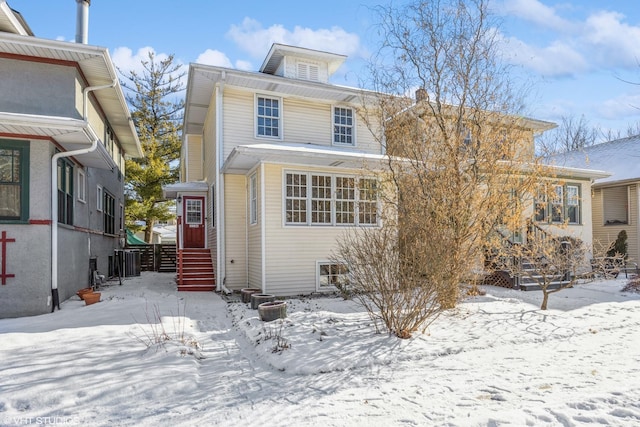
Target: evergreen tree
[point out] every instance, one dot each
(157, 106)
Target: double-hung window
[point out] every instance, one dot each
(81, 188)
(296, 198)
(573, 204)
(563, 204)
(14, 180)
(109, 212)
(368, 201)
(268, 117)
(557, 203)
(65, 192)
(343, 133)
(324, 199)
(345, 200)
(321, 199)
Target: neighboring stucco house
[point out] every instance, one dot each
(65, 130)
(615, 198)
(272, 171)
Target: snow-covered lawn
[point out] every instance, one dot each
(496, 360)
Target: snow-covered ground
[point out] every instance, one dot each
(496, 360)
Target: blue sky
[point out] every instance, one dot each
(575, 52)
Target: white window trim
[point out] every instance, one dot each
(332, 201)
(353, 126)
(330, 288)
(280, 136)
(333, 223)
(82, 186)
(253, 199)
(99, 198)
(578, 197)
(121, 213)
(200, 203)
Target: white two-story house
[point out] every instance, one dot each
(272, 170)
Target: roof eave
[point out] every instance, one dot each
(117, 114)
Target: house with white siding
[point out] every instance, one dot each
(272, 174)
(272, 167)
(65, 130)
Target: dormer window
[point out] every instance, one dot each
(307, 71)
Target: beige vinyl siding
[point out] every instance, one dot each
(236, 233)
(605, 234)
(209, 142)
(194, 158)
(208, 174)
(293, 251)
(303, 122)
(239, 120)
(254, 243)
(307, 122)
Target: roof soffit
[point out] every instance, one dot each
(96, 68)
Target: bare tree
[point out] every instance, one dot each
(461, 159)
(553, 263)
(460, 162)
(570, 135)
(383, 278)
(633, 129)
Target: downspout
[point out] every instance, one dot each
(263, 230)
(54, 190)
(219, 179)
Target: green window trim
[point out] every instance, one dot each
(19, 150)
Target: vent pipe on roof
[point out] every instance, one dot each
(82, 21)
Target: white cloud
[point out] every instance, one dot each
(214, 57)
(126, 60)
(244, 65)
(626, 106)
(534, 11)
(601, 40)
(612, 41)
(556, 59)
(256, 40)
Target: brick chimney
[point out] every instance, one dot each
(421, 95)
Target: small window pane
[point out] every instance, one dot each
(343, 126)
(268, 117)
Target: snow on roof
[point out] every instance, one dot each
(620, 157)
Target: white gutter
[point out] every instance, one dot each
(54, 189)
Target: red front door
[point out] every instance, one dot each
(193, 224)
